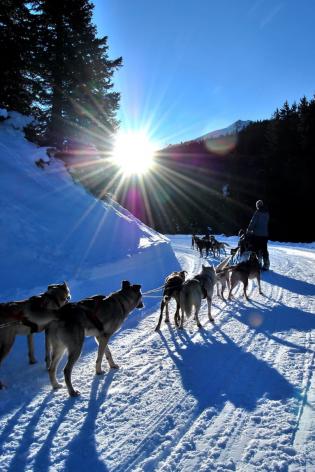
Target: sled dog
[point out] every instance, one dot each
(27, 316)
(190, 297)
(223, 279)
(207, 278)
(203, 244)
(243, 271)
(97, 316)
(218, 246)
(172, 288)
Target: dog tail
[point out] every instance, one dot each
(166, 298)
(185, 304)
(187, 298)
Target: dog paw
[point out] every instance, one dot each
(2, 386)
(57, 386)
(114, 366)
(100, 372)
(32, 361)
(74, 393)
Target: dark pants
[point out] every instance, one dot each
(261, 247)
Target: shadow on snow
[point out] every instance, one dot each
(216, 372)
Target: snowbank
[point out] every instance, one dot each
(52, 229)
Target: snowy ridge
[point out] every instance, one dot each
(234, 128)
(52, 229)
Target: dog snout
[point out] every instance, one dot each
(140, 304)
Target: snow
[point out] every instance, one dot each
(236, 395)
(230, 130)
(53, 230)
(3, 113)
(234, 128)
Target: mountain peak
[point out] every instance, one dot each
(234, 128)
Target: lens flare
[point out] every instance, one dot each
(222, 145)
(133, 152)
(255, 319)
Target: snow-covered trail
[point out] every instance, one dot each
(235, 395)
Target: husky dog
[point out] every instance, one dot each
(97, 316)
(217, 246)
(242, 272)
(207, 278)
(203, 244)
(172, 288)
(223, 279)
(190, 297)
(28, 316)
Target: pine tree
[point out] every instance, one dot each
(77, 100)
(18, 44)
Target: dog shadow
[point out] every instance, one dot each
(278, 319)
(81, 449)
(20, 458)
(300, 287)
(83, 446)
(215, 372)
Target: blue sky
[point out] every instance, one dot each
(194, 66)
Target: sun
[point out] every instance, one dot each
(133, 152)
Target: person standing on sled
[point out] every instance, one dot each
(258, 229)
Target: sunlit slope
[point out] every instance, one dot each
(52, 229)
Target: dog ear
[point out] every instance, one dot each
(137, 287)
(125, 284)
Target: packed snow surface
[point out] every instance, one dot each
(235, 395)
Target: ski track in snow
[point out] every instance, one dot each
(238, 394)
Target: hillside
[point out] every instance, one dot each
(53, 230)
